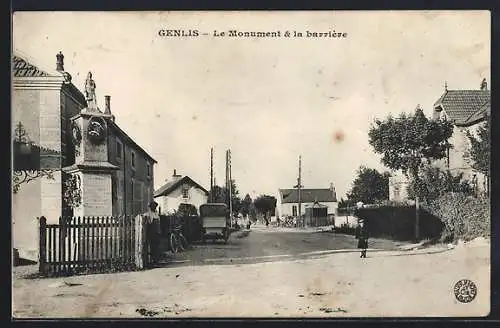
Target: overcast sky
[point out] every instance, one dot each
(268, 100)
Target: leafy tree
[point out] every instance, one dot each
(345, 203)
(187, 210)
(480, 149)
(265, 204)
(221, 195)
(253, 212)
(245, 205)
(435, 182)
(410, 142)
(369, 186)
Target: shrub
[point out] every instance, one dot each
(464, 217)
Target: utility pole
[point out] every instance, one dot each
(211, 200)
(299, 187)
(230, 188)
(229, 191)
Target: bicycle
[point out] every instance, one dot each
(177, 241)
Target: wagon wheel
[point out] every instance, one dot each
(183, 241)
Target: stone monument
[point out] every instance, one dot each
(92, 167)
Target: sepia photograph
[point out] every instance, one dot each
(250, 164)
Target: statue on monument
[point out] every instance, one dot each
(90, 92)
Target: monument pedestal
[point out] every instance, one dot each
(92, 172)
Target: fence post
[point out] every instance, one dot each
(42, 251)
(139, 242)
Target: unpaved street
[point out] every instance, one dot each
(263, 243)
(387, 283)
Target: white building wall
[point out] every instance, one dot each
(169, 204)
(287, 208)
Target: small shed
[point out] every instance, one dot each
(316, 215)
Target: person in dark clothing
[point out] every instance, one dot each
(153, 231)
(362, 236)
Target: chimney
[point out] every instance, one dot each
(484, 85)
(107, 103)
(60, 62)
(175, 174)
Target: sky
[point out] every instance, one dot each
(269, 100)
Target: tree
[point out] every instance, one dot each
(245, 205)
(435, 182)
(346, 203)
(221, 195)
(409, 143)
(253, 212)
(369, 186)
(187, 210)
(480, 149)
(265, 204)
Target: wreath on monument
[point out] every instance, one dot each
(96, 130)
(72, 191)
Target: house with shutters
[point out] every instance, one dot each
(287, 202)
(467, 110)
(178, 191)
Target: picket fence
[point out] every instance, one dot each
(91, 244)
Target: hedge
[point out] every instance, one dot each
(464, 217)
(398, 222)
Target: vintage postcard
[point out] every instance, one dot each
(251, 164)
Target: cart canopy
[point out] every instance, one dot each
(211, 210)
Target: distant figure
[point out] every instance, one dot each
(153, 231)
(278, 220)
(362, 236)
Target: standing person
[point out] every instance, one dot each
(153, 231)
(362, 236)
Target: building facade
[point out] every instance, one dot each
(468, 111)
(287, 203)
(180, 190)
(58, 168)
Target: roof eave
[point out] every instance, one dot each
(130, 140)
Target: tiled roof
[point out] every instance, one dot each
(174, 183)
(478, 115)
(460, 105)
(21, 68)
(307, 195)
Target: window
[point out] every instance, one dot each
(294, 210)
(148, 167)
(118, 149)
(185, 192)
(132, 159)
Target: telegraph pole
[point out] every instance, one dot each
(211, 175)
(299, 187)
(230, 188)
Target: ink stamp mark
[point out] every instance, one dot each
(465, 291)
